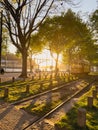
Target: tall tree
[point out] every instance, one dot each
(94, 20)
(94, 27)
(51, 32)
(94, 23)
(67, 32)
(22, 17)
(36, 46)
(81, 40)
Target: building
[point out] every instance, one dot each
(11, 62)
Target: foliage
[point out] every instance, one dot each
(22, 18)
(38, 109)
(81, 39)
(36, 45)
(94, 20)
(94, 27)
(67, 34)
(70, 119)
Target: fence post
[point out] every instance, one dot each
(81, 120)
(32, 77)
(0, 80)
(13, 79)
(6, 92)
(94, 94)
(39, 75)
(90, 102)
(50, 84)
(41, 86)
(97, 89)
(27, 88)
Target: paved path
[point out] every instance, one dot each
(8, 76)
(48, 124)
(5, 75)
(13, 119)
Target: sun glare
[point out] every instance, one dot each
(45, 60)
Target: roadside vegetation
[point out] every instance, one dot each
(69, 121)
(40, 108)
(17, 89)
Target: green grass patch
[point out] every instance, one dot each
(69, 121)
(17, 89)
(40, 109)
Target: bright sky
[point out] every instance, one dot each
(44, 59)
(85, 7)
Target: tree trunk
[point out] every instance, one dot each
(24, 64)
(30, 61)
(69, 61)
(31, 66)
(82, 68)
(56, 66)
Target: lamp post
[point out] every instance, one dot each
(1, 16)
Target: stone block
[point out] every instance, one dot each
(6, 92)
(27, 88)
(94, 93)
(90, 102)
(81, 118)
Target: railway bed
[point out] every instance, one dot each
(73, 94)
(45, 92)
(36, 121)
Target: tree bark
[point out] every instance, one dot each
(56, 66)
(24, 64)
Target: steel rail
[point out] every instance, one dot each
(44, 93)
(80, 92)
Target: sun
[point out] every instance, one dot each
(45, 60)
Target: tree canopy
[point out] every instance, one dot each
(22, 18)
(94, 28)
(68, 34)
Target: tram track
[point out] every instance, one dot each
(31, 121)
(38, 119)
(45, 92)
(53, 88)
(30, 98)
(49, 114)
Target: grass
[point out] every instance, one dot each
(93, 73)
(17, 89)
(40, 109)
(69, 121)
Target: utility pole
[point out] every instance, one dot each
(1, 16)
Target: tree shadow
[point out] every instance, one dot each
(24, 120)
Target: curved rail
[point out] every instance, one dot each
(43, 93)
(77, 94)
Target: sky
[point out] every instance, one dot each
(85, 7)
